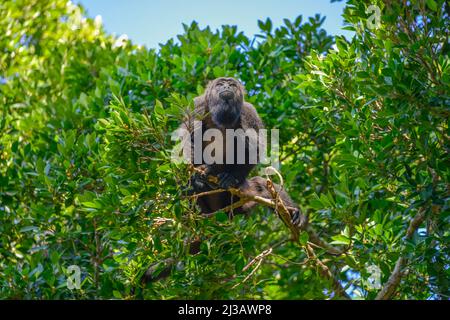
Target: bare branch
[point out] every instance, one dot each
(258, 260)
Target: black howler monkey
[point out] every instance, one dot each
(223, 107)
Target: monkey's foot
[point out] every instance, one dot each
(227, 180)
(299, 220)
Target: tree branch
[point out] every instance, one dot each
(325, 272)
(277, 204)
(394, 280)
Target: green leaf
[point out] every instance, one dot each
(221, 217)
(159, 109)
(432, 5)
(303, 238)
(95, 204)
(340, 239)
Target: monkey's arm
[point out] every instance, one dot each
(192, 125)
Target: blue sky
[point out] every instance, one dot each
(149, 22)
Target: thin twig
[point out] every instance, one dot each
(248, 276)
(258, 260)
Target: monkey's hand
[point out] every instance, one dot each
(228, 180)
(200, 183)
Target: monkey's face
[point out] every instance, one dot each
(225, 97)
(228, 89)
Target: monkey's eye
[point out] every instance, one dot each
(259, 188)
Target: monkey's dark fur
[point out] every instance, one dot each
(223, 107)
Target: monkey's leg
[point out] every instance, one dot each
(297, 218)
(199, 183)
(257, 186)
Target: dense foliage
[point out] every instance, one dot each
(86, 177)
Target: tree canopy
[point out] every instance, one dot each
(86, 177)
